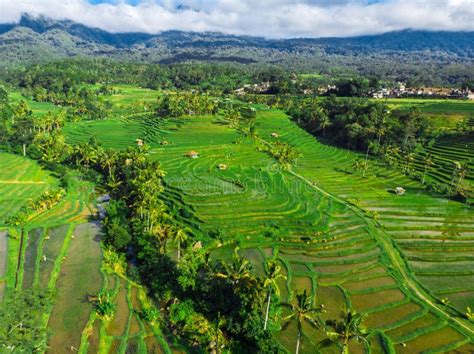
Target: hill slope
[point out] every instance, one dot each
(40, 39)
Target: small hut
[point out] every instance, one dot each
(139, 142)
(275, 135)
(222, 167)
(192, 154)
(164, 143)
(400, 191)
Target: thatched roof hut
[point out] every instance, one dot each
(192, 154)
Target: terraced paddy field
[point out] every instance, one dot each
(327, 245)
(344, 237)
(20, 180)
(128, 94)
(118, 134)
(443, 114)
(446, 150)
(60, 249)
(433, 105)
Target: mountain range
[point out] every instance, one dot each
(37, 39)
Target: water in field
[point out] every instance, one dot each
(31, 258)
(3, 252)
(79, 277)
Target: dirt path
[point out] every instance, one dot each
(384, 240)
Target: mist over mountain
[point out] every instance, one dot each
(41, 39)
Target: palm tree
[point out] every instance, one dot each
(239, 269)
(409, 158)
(462, 172)
(428, 162)
(324, 122)
(302, 312)
(348, 327)
(271, 282)
(87, 154)
(220, 322)
(179, 236)
(372, 146)
(361, 165)
(107, 160)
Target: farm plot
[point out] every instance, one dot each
(79, 277)
(126, 331)
(20, 180)
(113, 133)
(327, 243)
(321, 242)
(38, 108)
(443, 154)
(438, 231)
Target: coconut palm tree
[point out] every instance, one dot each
(460, 172)
(372, 146)
(220, 323)
(409, 158)
(107, 160)
(303, 312)
(428, 162)
(348, 327)
(271, 283)
(239, 269)
(324, 122)
(179, 236)
(361, 165)
(86, 154)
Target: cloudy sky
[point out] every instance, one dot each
(269, 18)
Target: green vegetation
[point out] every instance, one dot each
(230, 228)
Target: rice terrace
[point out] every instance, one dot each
(189, 192)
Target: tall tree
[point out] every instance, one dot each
(301, 312)
(271, 283)
(350, 326)
(179, 237)
(427, 163)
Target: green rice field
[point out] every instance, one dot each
(59, 249)
(344, 237)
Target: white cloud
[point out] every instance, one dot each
(269, 18)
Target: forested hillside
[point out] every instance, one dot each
(431, 57)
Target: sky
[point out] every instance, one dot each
(267, 18)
